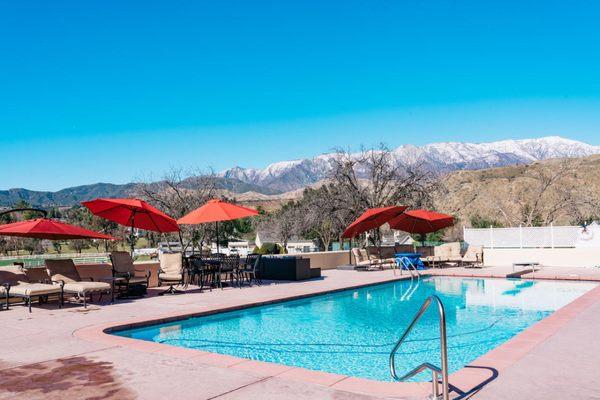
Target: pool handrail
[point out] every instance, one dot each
(443, 371)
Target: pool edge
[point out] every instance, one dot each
(465, 381)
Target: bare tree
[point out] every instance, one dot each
(281, 225)
(177, 194)
(376, 178)
(324, 214)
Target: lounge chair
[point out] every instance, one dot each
(473, 257)
(64, 270)
(251, 269)
(375, 254)
(448, 253)
(16, 283)
(170, 272)
(124, 272)
(362, 261)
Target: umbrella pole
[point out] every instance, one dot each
(131, 234)
(350, 251)
(217, 226)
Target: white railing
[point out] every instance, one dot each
(37, 260)
(529, 237)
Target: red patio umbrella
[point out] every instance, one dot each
(214, 211)
(371, 219)
(46, 228)
(421, 221)
(133, 213)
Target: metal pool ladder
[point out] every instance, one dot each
(405, 262)
(436, 371)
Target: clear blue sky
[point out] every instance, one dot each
(112, 90)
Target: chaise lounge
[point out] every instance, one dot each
(16, 283)
(65, 270)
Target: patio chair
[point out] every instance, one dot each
(251, 269)
(65, 271)
(230, 267)
(170, 272)
(473, 257)
(124, 272)
(16, 283)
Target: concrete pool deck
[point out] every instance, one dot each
(54, 353)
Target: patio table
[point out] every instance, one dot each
(403, 259)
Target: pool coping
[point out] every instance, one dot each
(463, 382)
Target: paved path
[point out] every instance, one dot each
(40, 358)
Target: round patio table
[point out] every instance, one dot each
(403, 260)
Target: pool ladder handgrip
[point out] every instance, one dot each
(443, 371)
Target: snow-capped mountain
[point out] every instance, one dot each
(439, 157)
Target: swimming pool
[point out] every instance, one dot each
(352, 332)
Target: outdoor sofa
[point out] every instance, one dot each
(16, 283)
(65, 271)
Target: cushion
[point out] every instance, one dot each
(138, 279)
(363, 263)
(170, 277)
(122, 262)
(86, 287)
(357, 255)
(34, 289)
(171, 263)
(364, 254)
(13, 274)
(62, 270)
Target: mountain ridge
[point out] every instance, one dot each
(439, 157)
(287, 176)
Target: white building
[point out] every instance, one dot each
(294, 245)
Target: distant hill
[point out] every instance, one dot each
(75, 195)
(500, 194)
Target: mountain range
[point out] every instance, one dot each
(292, 175)
(439, 157)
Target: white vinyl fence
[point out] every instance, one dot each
(37, 260)
(530, 237)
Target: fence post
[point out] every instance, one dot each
(552, 234)
(520, 236)
(491, 236)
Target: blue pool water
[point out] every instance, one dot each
(352, 332)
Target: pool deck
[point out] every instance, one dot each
(64, 354)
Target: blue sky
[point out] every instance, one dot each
(115, 91)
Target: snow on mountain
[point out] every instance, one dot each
(439, 157)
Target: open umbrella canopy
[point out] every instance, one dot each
(215, 211)
(421, 221)
(371, 219)
(45, 228)
(133, 213)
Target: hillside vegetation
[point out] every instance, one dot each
(559, 191)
